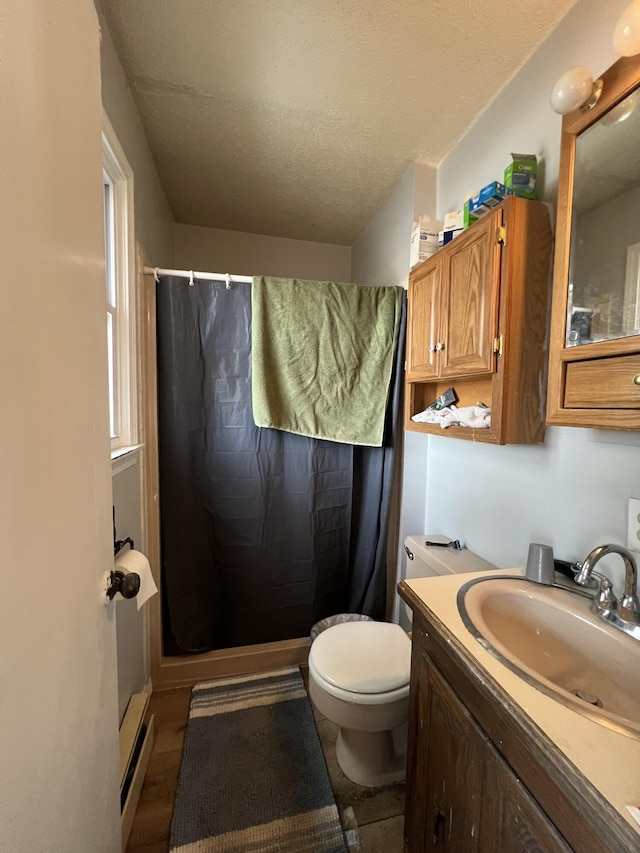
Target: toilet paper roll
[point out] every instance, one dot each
(135, 561)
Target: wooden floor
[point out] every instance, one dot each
(378, 811)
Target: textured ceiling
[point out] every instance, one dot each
(297, 119)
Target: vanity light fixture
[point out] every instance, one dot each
(626, 35)
(576, 88)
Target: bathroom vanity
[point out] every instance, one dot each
(495, 764)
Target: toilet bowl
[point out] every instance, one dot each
(359, 675)
(359, 679)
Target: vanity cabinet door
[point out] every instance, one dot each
(510, 819)
(447, 773)
(462, 796)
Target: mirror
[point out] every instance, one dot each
(604, 265)
(594, 344)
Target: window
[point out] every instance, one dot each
(120, 291)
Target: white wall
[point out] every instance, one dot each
(59, 786)
(217, 250)
(153, 218)
(572, 491)
(133, 665)
(154, 234)
(380, 257)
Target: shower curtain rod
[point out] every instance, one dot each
(207, 276)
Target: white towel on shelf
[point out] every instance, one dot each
(477, 417)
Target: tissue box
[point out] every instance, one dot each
(521, 175)
(424, 240)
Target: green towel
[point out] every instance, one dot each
(322, 356)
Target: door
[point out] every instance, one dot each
(471, 282)
(424, 309)
(511, 820)
(58, 697)
(455, 770)
(445, 769)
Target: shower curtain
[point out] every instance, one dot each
(263, 532)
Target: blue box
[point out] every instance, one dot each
(493, 193)
(488, 198)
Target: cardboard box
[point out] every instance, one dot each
(521, 175)
(492, 194)
(488, 198)
(477, 208)
(424, 240)
(453, 220)
(468, 217)
(448, 236)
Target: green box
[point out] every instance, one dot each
(467, 217)
(521, 175)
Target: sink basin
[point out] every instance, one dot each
(549, 637)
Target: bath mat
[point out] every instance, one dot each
(253, 778)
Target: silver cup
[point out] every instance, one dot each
(540, 564)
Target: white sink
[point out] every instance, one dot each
(550, 638)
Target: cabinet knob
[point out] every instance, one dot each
(636, 379)
(439, 347)
(431, 348)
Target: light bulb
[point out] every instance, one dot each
(572, 90)
(626, 35)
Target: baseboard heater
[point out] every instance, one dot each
(137, 734)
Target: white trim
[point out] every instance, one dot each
(125, 457)
(120, 173)
(631, 305)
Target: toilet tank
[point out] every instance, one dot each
(423, 561)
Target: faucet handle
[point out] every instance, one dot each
(629, 609)
(605, 601)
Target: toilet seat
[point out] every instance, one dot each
(367, 663)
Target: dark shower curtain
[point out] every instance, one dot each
(263, 532)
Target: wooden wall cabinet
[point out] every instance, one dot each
(477, 323)
(594, 374)
(480, 776)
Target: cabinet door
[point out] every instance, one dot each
(424, 298)
(511, 821)
(470, 286)
(454, 751)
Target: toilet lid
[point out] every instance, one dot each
(363, 657)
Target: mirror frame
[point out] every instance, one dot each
(618, 82)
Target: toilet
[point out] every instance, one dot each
(359, 675)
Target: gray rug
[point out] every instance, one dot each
(253, 778)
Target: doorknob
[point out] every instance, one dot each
(127, 584)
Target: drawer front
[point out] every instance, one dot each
(603, 383)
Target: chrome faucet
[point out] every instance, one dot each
(623, 613)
